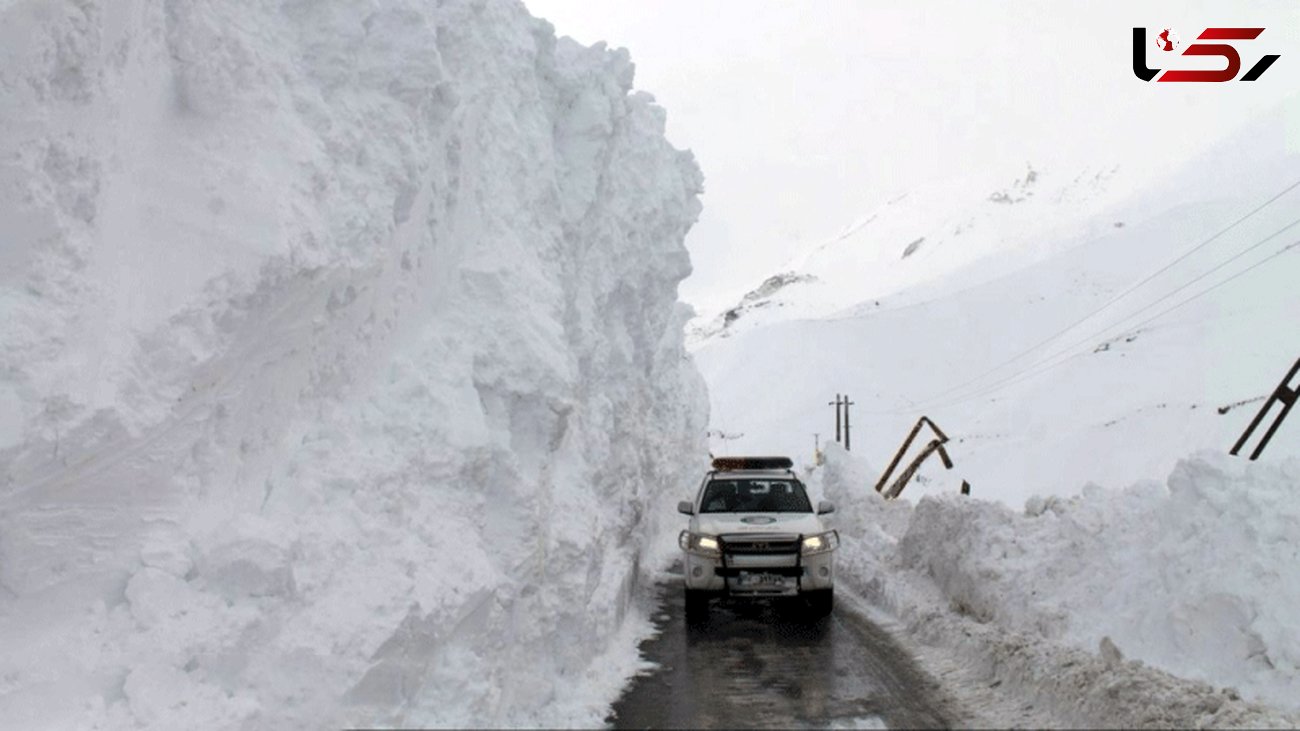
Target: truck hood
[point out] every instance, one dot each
(722, 523)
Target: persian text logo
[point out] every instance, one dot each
(1167, 40)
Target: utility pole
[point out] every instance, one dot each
(836, 403)
(847, 404)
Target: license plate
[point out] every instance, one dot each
(749, 580)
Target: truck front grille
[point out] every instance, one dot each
(756, 544)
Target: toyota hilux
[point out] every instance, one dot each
(754, 533)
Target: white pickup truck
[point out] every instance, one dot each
(754, 533)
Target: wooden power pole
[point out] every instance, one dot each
(836, 403)
(847, 404)
(1284, 395)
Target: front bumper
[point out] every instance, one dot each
(771, 574)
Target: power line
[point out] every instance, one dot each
(1099, 333)
(1132, 288)
(1045, 364)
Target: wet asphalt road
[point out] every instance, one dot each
(762, 665)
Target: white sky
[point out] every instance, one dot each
(806, 115)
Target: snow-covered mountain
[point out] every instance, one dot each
(973, 226)
(341, 368)
(1037, 337)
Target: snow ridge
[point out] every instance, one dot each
(951, 233)
(342, 370)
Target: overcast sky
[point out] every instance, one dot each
(806, 115)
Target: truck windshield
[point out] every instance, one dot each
(746, 495)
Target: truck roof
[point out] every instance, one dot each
(732, 464)
(775, 474)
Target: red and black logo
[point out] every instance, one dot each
(1167, 40)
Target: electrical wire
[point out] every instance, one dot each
(1126, 292)
(1046, 364)
(1103, 331)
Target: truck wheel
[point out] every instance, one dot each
(820, 602)
(697, 605)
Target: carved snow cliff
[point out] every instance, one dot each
(341, 365)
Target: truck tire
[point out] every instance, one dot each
(697, 605)
(820, 602)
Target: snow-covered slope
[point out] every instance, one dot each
(341, 371)
(1052, 373)
(966, 228)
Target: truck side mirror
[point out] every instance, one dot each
(685, 507)
(825, 506)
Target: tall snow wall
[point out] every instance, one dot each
(341, 364)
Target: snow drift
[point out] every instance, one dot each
(1073, 602)
(340, 362)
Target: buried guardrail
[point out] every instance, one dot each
(935, 445)
(1284, 395)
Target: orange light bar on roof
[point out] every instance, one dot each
(752, 463)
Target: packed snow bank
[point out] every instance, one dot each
(1192, 578)
(341, 369)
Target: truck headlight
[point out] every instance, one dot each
(698, 543)
(821, 543)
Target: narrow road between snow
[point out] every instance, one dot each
(755, 665)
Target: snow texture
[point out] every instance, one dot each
(949, 227)
(1158, 605)
(341, 366)
(1034, 350)
(1077, 335)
